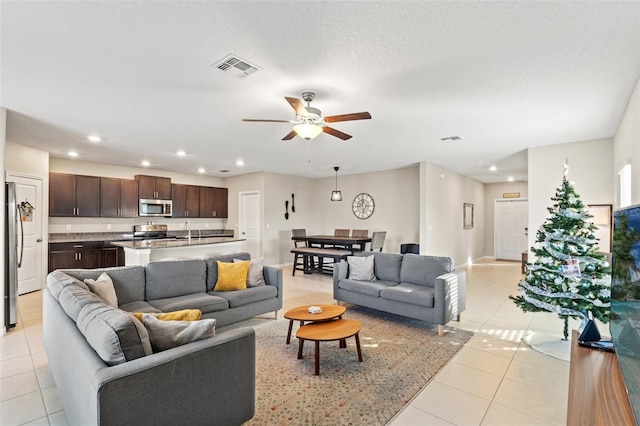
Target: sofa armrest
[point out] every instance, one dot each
(450, 295)
(273, 276)
(340, 271)
(211, 381)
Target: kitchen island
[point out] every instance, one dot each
(142, 252)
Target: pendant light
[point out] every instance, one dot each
(336, 195)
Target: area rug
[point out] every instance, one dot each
(400, 356)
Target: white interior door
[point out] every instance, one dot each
(31, 272)
(249, 226)
(510, 225)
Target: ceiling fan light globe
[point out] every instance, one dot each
(307, 131)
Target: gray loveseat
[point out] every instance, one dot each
(421, 287)
(104, 373)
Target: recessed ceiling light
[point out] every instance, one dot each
(94, 138)
(240, 163)
(201, 170)
(510, 179)
(145, 163)
(493, 167)
(181, 153)
(72, 154)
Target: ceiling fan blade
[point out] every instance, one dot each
(297, 105)
(348, 117)
(292, 134)
(336, 133)
(256, 120)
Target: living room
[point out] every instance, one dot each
(419, 201)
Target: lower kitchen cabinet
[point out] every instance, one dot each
(84, 255)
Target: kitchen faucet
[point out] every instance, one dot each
(188, 230)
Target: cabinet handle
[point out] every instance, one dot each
(214, 214)
(78, 246)
(79, 256)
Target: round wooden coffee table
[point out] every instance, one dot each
(302, 314)
(327, 331)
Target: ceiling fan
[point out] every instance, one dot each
(309, 121)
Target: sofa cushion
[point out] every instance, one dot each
(370, 288)
(139, 306)
(57, 280)
(386, 265)
(111, 332)
(169, 334)
(232, 276)
(248, 296)
(202, 301)
(409, 293)
(73, 298)
(361, 268)
(212, 266)
(103, 287)
(423, 270)
(128, 281)
(175, 278)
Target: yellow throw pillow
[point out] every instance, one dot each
(232, 276)
(183, 315)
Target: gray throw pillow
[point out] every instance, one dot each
(361, 268)
(169, 334)
(255, 276)
(103, 287)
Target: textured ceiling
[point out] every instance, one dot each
(504, 76)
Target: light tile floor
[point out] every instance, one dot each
(494, 379)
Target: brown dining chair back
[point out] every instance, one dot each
(299, 233)
(341, 233)
(377, 240)
(360, 233)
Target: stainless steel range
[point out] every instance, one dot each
(151, 232)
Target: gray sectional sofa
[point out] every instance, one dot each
(421, 287)
(106, 375)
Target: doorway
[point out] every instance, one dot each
(249, 223)
(29, 194)
(510, 218)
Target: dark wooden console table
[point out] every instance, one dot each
(597, 394)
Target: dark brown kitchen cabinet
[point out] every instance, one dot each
(84, 255)
(154, 187)
(118, 197)
(74, 195)
(186, 200)
(213, 202)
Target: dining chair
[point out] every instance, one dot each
(360, 233)
(341, 233)
(299, 233)
(377, 240)
(298, 259)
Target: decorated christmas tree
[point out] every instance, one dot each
(569, 276)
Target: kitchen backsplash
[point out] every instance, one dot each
(100, 224)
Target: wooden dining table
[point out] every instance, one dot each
(331, 240)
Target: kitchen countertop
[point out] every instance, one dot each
(77, 237)
(174, 243)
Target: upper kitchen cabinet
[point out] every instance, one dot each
(186, 200)
(213, 202)
(74, 195)
(154, 187)
(118, 197)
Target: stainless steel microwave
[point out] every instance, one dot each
(155, 208)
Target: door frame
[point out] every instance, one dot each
(44, 219)
(241, 225)
(495, 220)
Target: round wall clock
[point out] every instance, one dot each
(363, 206)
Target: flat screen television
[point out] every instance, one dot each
(625, 299)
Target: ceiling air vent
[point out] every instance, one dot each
(234, 64)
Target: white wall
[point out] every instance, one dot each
(492, 192)
(442, 196)
(3, 140)
(626, 147)
(590, 168)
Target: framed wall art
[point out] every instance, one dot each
(468, 215)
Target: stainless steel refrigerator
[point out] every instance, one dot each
(13, 239)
